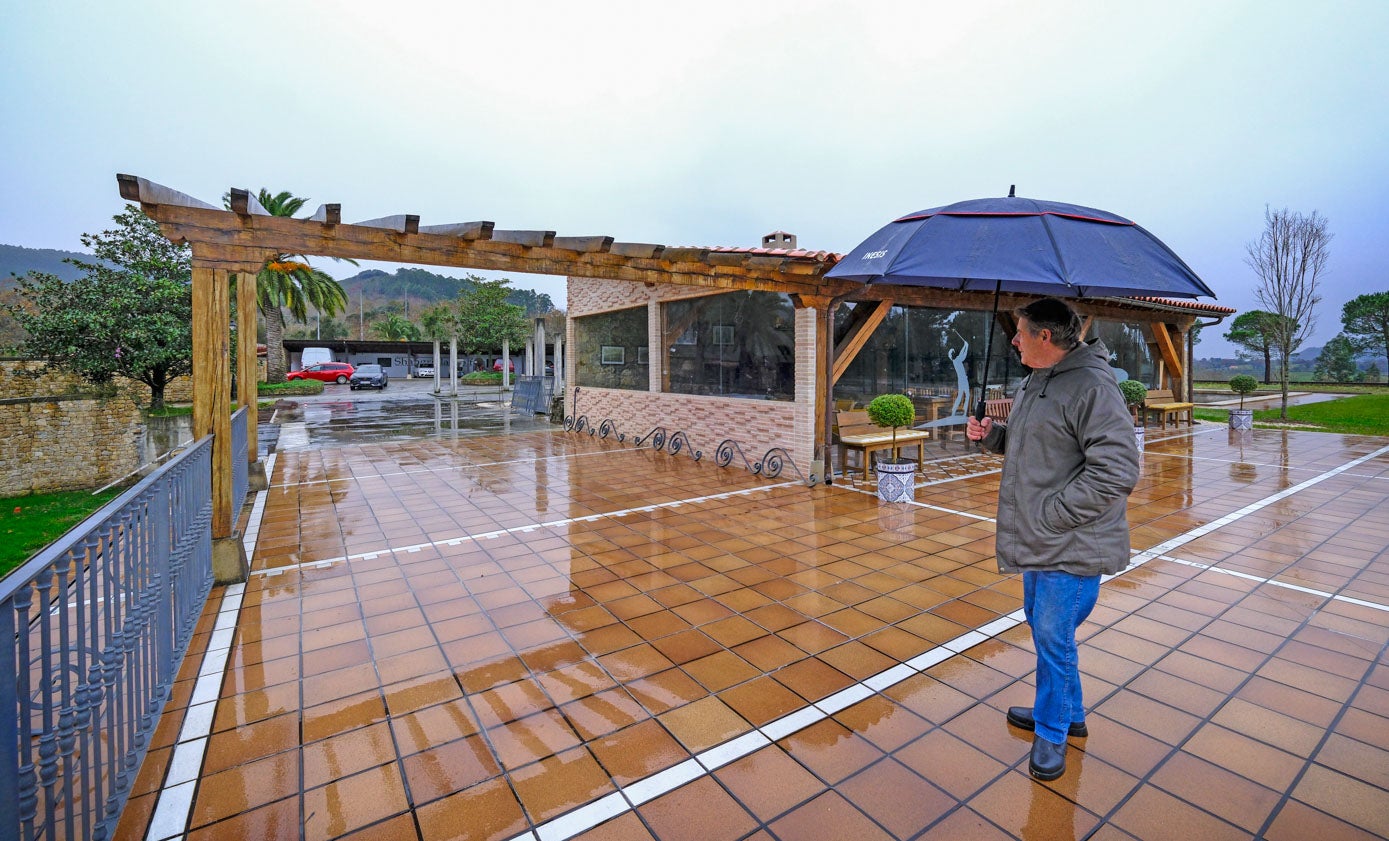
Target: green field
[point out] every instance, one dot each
(1363, 414)
(29, 523)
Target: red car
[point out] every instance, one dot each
(328, 372)
(497, 366)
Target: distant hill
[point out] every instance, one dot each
(18, 260)
(424, 288)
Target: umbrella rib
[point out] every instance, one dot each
(1060, 259)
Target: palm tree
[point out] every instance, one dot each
(287, 281)
(396, 328)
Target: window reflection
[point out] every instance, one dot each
(1129, 350)
(734, 344)
(611, 349)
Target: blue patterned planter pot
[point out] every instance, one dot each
(1241, 418)
(897, 480)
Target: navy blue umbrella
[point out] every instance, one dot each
(1021, 245)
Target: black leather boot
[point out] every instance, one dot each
(1022, 717)
(1048, 760)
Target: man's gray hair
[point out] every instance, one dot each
(1055, 315)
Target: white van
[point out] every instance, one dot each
(314, 355)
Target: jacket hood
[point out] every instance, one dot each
(1091, 353)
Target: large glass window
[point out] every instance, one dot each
(1129, 351)
(734, 344)
(611, 349)
(935, 356)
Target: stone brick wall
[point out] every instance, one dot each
(757, 425)
(59, 436)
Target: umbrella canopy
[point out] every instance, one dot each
(1021, 245)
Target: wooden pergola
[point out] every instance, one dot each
(239, 241)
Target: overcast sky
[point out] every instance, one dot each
(714, 123)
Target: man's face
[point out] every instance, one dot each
(1034, 348)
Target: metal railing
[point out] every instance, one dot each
(241, 469)
(93, 630)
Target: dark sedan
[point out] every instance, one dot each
(369, 376)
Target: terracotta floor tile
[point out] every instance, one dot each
(986, 729)
(1242, 755)
(418, 693)
(685, 646)
(1026, 809)
(769, 653)
(665, 690)
(398, 828)
(762, 700)
(898, 799)
(1154, 814)
(337, 684)
(699, 811)
(964, 823)
(531, 739)
(812, 679)
(830, 816)
(1290, 701)
(637, 751)
(351, 803)
(704, 723)
(1364, 727)
(510, 702)
(1364, 762)
(720, 670)
(1298, 821)
(929, 698)
(486, 812)
(276, 820)
(346, 754)
(831, 751)
(1127, 749)
(768, 782)
(558, 783)
(1148, 716)
(857, 660)
(444, 769)
(1281, 731)
(1220, 792)
(627, 827)
(245, 787)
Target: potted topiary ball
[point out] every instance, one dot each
(1135, 393)
(896, 476)
(1242, 418)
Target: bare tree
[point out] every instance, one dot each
(1289, 259)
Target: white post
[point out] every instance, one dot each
(506, 363)
(540, 344)
(453, 365)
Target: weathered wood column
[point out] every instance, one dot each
(212, 409)
(248, 373)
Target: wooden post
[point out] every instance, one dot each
(248, 373)
(212, 410)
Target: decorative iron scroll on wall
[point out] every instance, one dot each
(772, 463)
(672, 443)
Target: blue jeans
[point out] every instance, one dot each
(1056, 603)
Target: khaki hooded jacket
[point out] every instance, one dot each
(1070, 462)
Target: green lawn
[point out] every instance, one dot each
(1363, 414)
(29, 523)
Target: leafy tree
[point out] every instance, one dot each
(1337, 361)
(1289, 258)
(485, 318)
(396, 328)
(1372, 374)
(131, 313)
(1254, 331)
(1365, 321)
(287, 281)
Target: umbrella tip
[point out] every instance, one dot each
(1011, 189)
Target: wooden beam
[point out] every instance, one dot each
(584, 244)
(1085, 327)
(244, 203)
(328, 214)
(146, 192)
(1170, 358)
(212, 386)
(637, 249)
(530, 239)
(859, 335)
(462, 230)
(247, 371)
(401, 223)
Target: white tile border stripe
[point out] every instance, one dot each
(174, 802)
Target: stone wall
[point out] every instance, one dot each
(59, 435)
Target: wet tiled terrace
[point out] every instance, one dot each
(547, 635)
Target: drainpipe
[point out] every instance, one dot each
(1191, 357)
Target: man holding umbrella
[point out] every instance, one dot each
(1070, 462)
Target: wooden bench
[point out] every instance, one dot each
(1161, 402)
(998, 409)
(857, 432)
